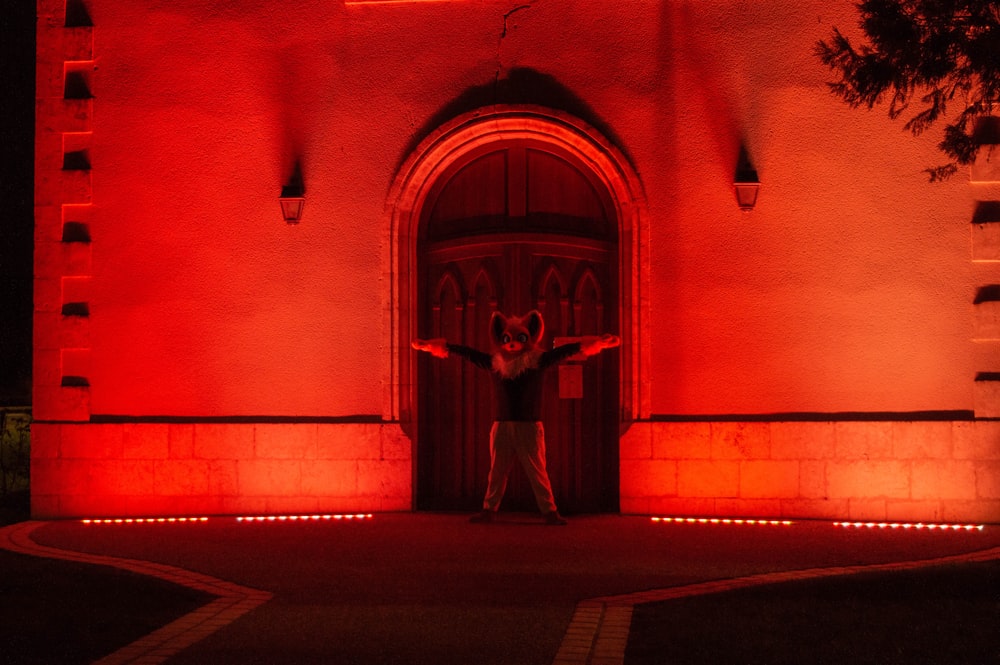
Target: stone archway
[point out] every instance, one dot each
(451, 143)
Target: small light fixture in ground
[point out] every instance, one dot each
(722, 520)
(142, 520)
(247, 518)
(916, 526)
(303, 518)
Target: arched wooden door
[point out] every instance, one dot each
(513, 228)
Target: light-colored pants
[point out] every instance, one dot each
(524, 441)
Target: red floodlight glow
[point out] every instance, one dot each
(910, 525)
(722, 520)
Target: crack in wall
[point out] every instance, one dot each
(503, 35)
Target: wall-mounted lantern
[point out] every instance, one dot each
(292, 202)
(293, 195)
(746, 183)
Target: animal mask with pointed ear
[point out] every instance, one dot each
(513, 337)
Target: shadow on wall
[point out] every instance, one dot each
(521, 86)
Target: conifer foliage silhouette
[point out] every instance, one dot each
(929, 60)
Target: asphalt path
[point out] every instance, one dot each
(415, 588)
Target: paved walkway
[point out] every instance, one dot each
(426, 588)
(232, 600)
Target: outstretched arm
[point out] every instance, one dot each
(440, 348)
(437, 347)
(591, 346)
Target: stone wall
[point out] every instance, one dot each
(932, 471)
(187, 469)
(865, 470)
(65, 73)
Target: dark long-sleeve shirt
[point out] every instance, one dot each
(518, 398)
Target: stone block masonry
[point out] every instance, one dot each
(871, 470)
(928, 471)
(192, 469)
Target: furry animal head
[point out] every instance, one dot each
(516, 342)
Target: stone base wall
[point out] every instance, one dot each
(940, 471)
(931, 471)
(168, 469)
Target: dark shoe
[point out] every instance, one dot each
(484, 517)
(555, 519)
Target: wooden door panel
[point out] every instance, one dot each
(455, 405)
(571, 291)
(516, 228)
(515, 275)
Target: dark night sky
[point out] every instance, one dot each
(17, 25)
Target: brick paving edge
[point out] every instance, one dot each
(598, 632)
(232, 600)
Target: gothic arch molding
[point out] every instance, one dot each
(451, 143)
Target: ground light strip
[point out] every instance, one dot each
(910, 525)
(721, 520)
(916, 526)
(245, 518)
(302, 518)
(142, 520)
